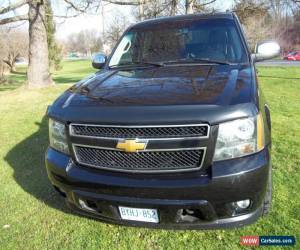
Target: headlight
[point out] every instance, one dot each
(57, 136)
(239, 138)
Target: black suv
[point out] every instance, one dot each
(173, 132)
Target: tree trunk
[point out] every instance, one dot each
(38, 68)
(13, 68)
(1, 71)
(4, 70)
(189, 4)
(11, 62)
(141, 9)
(173, 7)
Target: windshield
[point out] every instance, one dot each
(215, 40)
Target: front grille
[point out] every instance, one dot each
(140, 132)
(146, 161)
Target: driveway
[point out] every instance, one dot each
(278, 63)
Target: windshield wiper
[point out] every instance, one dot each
(138, 63)
(161, 64)
(203, 60)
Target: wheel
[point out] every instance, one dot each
(268, 197)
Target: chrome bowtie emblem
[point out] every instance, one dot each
(132, 145)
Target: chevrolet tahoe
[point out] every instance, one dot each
(173, 131)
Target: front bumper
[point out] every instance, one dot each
(210, 195)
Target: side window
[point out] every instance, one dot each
(236, 45)
(127, 55)
(123, 53)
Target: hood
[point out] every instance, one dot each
(200, 87)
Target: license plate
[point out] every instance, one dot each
(139, 214)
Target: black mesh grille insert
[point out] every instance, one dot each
(140, 132)
(141, 161)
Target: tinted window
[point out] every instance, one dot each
(216, 39)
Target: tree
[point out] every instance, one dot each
(13, 44)
(115, 30)
(158, 8)
(192, 6)
(254, 17)
(282, 9)
(86, 42)
(38, 69)
(4, 69)
(55, 51)
(162, 7)
(136, 3)
(290, 36)
(246, 9)
(189, 6)
(297, 2)
(270, 19)
(38, 74)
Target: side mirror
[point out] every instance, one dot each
(99, 60)
(266, 50)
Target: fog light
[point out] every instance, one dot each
(243, 204)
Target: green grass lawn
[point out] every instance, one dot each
(33, 216)
(72, 71)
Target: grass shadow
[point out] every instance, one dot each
(6, 87)
(27, 161)
(13, 81)
(23, 73)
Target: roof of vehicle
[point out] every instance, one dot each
(228, 15)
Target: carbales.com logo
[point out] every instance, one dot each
(267, 240)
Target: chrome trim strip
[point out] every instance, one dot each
(139, 126)
(141, 138)
(145, 126)
(144, 150)
(141, 171)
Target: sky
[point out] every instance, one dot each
(66, 27)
